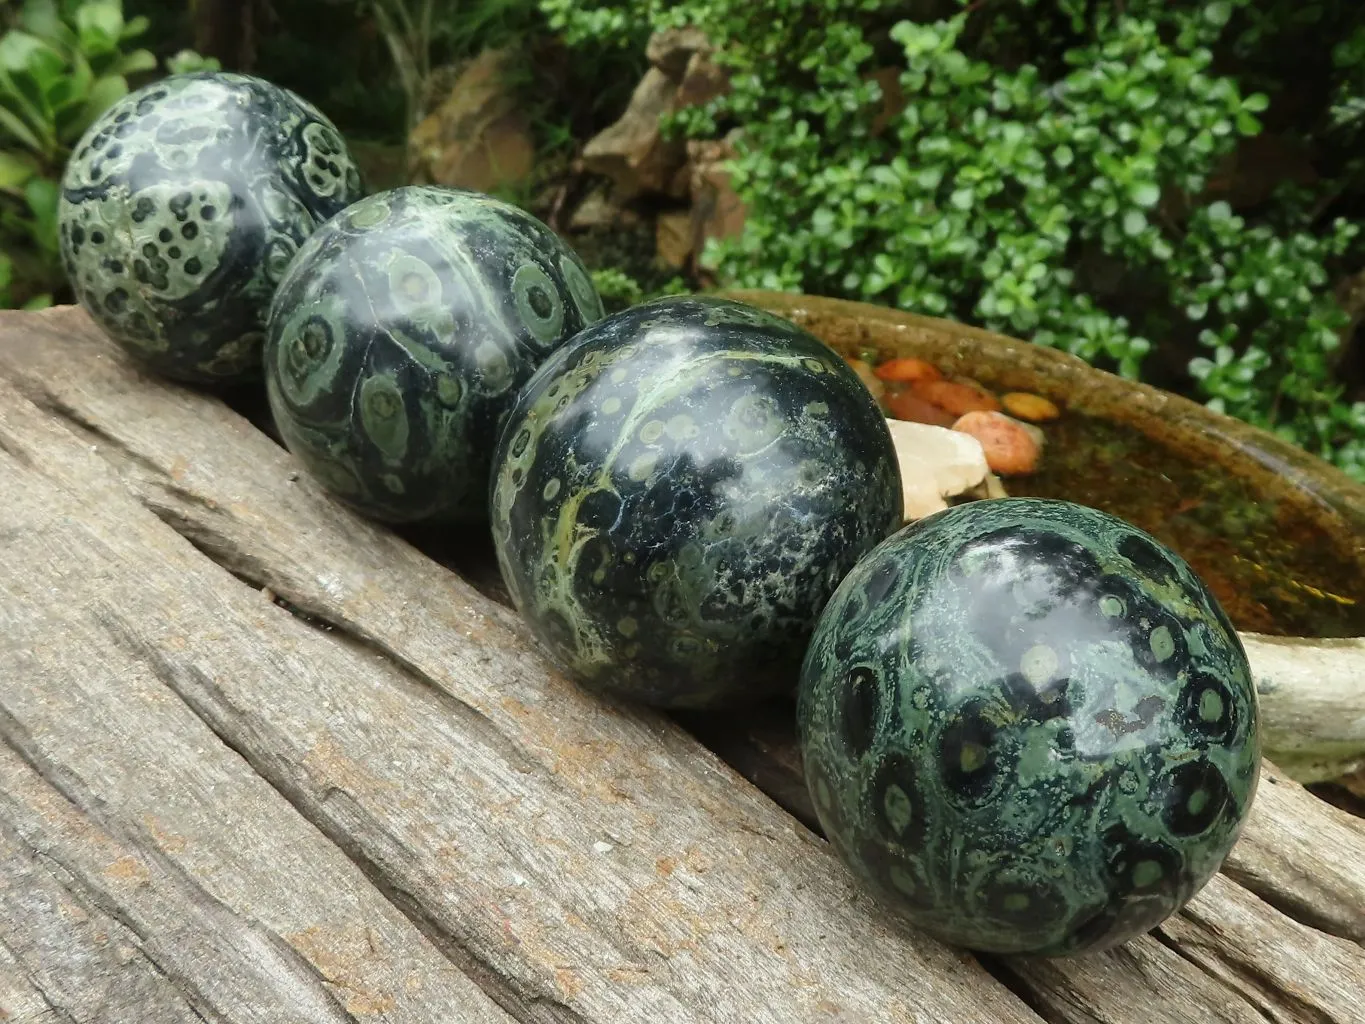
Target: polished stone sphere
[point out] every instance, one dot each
(678, 491)
(180, 209)
(1028, 727)
(400, 336)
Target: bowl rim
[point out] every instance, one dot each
(1271, 465)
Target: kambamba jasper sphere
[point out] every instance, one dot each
(400, 336)
(678, 491)
(1028, 727)
(183, 205)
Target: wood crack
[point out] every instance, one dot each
(526, 1007)
(301, 769)
(203, 538)
(84, 888)
(78, 884)
(58, 1012)
(1001, 971)
(14, 736)
(16, 451)
(203, 697)
(1253, 991)
(220, 550)
(87, 428)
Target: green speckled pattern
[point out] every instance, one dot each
(1028, 727)
(400, 337)
(183, 205)
(677, 493)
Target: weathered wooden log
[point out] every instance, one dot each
(1267, 968)
(272, 923)
(380, 743)
(20, 998)
(580, 862)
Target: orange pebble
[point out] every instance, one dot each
(906, 405)
(1034, 408)
(957, 397)
(865, 374)
(907, 369)
(1010, 448)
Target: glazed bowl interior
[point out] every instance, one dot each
(1278, 534)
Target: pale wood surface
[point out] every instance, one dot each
(386, 806)
(20, 997)
(1312, 695)
(1304, 856)
(178, 873)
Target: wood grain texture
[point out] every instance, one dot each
(79, 962)
(587, 862)
(1312, 703)
(185, 887)
(21, 1001)
(1297, 852)
(110, 930)
(1142, 981)
(1281, 970)
(1287, 971)
(1304, 856)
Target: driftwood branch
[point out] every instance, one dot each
(1312, 696)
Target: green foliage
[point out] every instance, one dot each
(62, 63)
(1348, 99)
(1046, 173)
(617, 25)
(407, 31)
(620, 291)
(378, 66)
(1274, 325)
(186, 62)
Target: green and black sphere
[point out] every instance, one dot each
(678, 491)
(1028, 727)
(400, 336)
(182, 206)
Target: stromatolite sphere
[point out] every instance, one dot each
(678, 491)
(400, 336)
(1028, 727)
(181, 208)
